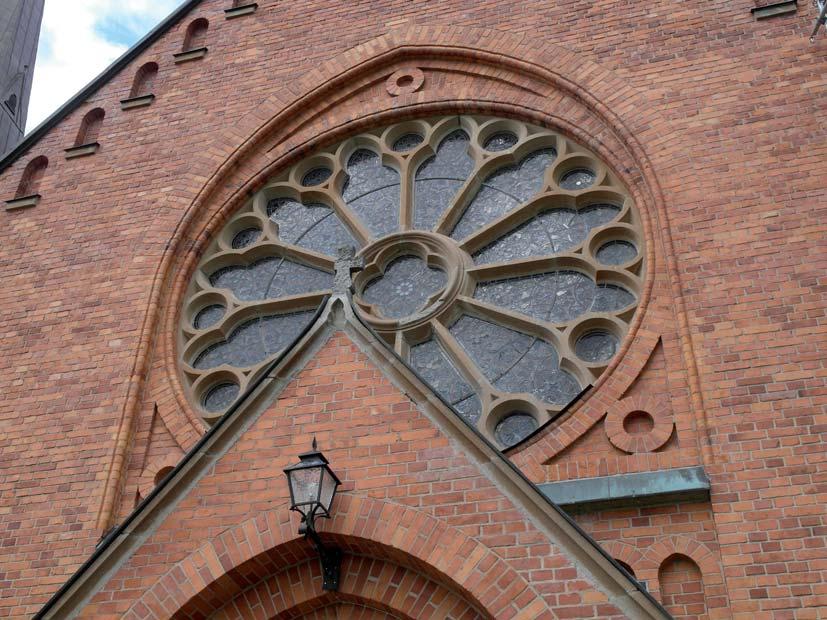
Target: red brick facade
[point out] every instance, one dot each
(710, 118)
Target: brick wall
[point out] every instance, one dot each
(460, 548)
(713, 118)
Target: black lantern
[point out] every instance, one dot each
(312, 488)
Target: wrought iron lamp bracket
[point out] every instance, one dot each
(330, 557)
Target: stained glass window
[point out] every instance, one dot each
(500, 257)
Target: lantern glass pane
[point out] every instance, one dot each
(305, 484)
(328, 489)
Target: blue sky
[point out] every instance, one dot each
(79, 39)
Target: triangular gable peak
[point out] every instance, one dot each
(429, 510)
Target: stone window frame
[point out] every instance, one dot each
(401, 334)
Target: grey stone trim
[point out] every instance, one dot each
(82, 150)
(238, 11)
(137, 102)
(775, 9)
(688, 484)
(195, 54)
(23, 202)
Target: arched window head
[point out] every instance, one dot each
(504, 260)
(196, 36)
(144, 80)
(90, 127)
(682, 587)
(11, 103)
(626, 567)
(162, 473)
(30, 182)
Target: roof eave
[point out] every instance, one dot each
(38, 132)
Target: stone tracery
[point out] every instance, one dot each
(519, 253)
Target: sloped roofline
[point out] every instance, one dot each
(128, 56)
(526, 494)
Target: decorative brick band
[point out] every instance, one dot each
(219, 569)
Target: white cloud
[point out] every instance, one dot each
(79, 39)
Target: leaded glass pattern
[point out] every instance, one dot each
(313, 226)
(557, 230)
(431, 362)
(253, 341)
(208, 317)
(372, 192)
(505, 189)
(616, 252)
(514, 428)
(515, 362)
(270, 278)
(404, 288)
(501, 258)
(555, 297)
(440, 177)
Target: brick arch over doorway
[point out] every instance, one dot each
(241, 557)
(389, 589)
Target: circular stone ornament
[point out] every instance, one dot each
(484, 271)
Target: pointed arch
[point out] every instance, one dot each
(658, 554)
(155, 472)
(11, 104)
(627, 555)
(682, 587)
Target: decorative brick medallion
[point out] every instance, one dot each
(405, 81)
(623, 412)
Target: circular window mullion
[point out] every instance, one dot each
(470, 188)
(524, 324)
(508, 318)
(352, 221)
(505, 405)
(466, 366)
(531, 265)
(298, 254)
(506, 223)
(406, 192)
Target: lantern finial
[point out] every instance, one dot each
(314, 443)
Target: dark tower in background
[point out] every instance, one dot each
(19, 32)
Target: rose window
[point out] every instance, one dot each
(503, 261)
